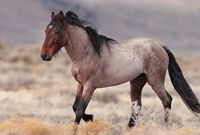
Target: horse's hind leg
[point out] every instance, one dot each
(164, 97)
(155, 72)
(136, 89)
(156, 80)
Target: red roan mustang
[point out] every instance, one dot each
(99, 61)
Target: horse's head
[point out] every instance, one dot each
(55, 38)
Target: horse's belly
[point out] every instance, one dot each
(120, 73)
(117, 79)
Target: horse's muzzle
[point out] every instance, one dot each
(45, 57)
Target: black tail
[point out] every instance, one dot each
(180, 84)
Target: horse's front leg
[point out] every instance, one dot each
(87, 93)
(86, 117)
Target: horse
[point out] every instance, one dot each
(99, 61)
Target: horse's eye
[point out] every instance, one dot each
(57, 32)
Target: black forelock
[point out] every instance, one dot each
(56, 21)
(96, 39)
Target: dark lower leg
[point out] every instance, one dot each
(135, 109)
(167, 103)
(167, 107)
(136, 88)
(83, 103)
(80, 113)
(85, 117)
(164, 97)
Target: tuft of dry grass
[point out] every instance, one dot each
(106, 97)
(161, 131)
(30, 126)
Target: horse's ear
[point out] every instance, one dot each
(62, 14)
(52, 14)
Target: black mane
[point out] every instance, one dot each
(97, 40)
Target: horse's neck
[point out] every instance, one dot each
(78, 47)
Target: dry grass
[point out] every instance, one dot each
(18, 126)
(153, 131)
(29, 126)
(36, 99)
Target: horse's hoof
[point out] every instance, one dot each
(87, 117)
(131, 123)
(76, 123)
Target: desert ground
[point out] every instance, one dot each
(36, 98)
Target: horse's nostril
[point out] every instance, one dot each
(44, 56)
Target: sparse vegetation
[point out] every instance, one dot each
(39, 95)
(106, 97)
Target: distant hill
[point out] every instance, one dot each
(174, 23)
